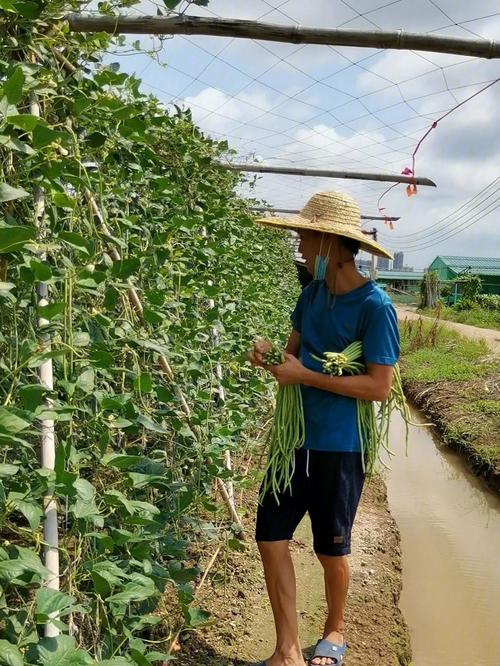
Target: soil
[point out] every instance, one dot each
(449, 405)
(489, 335)
(242, 631)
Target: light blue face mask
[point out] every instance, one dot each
(320, 266)
(321, 263)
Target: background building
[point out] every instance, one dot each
(488, 269)
(383, 263)
(407, 281)
(398, 261)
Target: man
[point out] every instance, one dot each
(339, 306)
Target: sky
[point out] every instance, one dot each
(349, 108)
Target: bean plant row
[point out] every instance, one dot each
(134, 476)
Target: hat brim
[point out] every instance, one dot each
(298, 222)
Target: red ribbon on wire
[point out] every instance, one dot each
(411, 188)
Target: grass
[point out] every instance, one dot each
(440, 354)
(455, 381)
(480, 317)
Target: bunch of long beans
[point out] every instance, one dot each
(286, 433)
(335, 363)
(373, 425)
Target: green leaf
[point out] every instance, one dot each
(149, 424)
(85, 509)
(43, 136)
(153, 317)
(10, 423)
(139, 588)
(9, 193)
(84, 489)
(120, 460)
(143, 383)
(236, 544)
(139, 658)
(24, 121)
(86, 381)
(63, 200)
(61, 651)
(26, 561)
(28, 9)
(195, 617)
(49, 601)
(30, 510)
(101, 358)
(96, 139)
(41, 271)
(13, 143)
(75, 240)
(13, 87)
(9, 654)
(8, 470)
(120, 423)
(81, 339)
(50, 310)
(32, 396)
(14, 238)
(124, 268)
(164, 394)
(8, 7)
(117, 498)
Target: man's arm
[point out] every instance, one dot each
(293, 344)
(374, 385)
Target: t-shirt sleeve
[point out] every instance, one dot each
(298, 312)
(381, 340)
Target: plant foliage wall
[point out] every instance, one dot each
(134, 476)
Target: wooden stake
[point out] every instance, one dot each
(295, 34)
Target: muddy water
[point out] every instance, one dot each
(450, 539)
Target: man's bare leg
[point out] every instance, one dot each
(337, 574)
(280, 582)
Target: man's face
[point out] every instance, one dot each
(309, 247)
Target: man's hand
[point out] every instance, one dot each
(260, 347)
(290, 372)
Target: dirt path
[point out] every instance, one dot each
(242, 632)
(490, 336)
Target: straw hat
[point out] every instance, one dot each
(331, 213)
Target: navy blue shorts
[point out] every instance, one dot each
(325, 484)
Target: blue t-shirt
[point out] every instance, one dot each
(365, 314)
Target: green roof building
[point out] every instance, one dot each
(450, 268)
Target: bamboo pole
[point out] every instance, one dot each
(330, 173)
(48, 449)
(296, 211)
(295, 34)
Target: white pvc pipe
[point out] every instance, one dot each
(48, 449)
